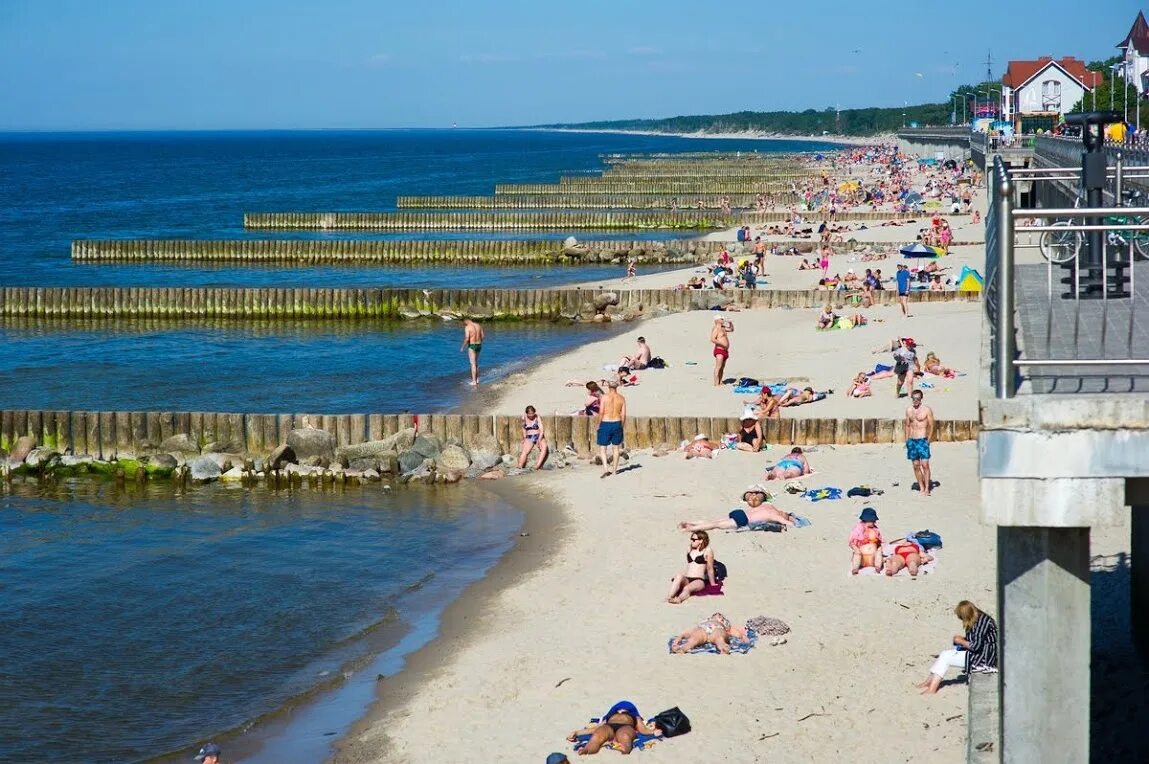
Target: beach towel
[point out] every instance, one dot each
(748, 390)
(711, 590)
(879, 368)
(772, 627)
(778, 388)
(641, 742)
(820, 494)
(739, 646)
(799, 522)
(887, 550)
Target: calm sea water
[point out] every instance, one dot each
(134, 623)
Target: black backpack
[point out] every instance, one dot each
(719, 571)
(656, 363)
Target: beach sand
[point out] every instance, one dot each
(588, 626)
(768, 345)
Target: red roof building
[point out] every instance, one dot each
(1020, 72)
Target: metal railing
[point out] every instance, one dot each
(1094, 249)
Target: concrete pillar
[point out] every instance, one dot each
(1137, 496)
(1044, 620)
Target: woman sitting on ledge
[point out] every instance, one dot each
(976, 650)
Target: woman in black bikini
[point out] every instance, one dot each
(621, 724)
(750, 434)
(533, 435)
(698, 573)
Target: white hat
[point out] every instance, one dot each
(717, 317)
(700, 436)
(749, 413)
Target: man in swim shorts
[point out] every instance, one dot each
(612, 416)
(903, 279)
(719, 337)
(919, 430)
(473, 344)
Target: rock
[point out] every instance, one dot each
(258, 465)
(282, 455)
(316, 461)
(310, 442)
(222, 447)
(41, 457)
(600, 318)
(204, 469)
(235, 473)
(163, 461)
(409, 461)
(69, 460)
(424, 472)
(603, 300)
(485, 452)
(181, 443)
(225, 461)
(506, 460)
(363, 464)
(453, 459)
(493, 475)
(569, 242)
(452, 476)
(371, 475)
(400, 441)
(430, 446)
(21, 448)
(389, 463)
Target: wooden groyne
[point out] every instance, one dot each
(486, 221)
(125, 434)
(371, 303)
(584, 201)
(706, 187)
(360, 252)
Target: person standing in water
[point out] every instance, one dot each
(721, 341)
(473, 344)
(919, 430)
(612, 416)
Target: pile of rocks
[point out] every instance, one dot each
(309, 455)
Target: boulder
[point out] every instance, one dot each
(453, 459)
(44, 457)
(453, 476)
(603, 300)
(363, 464)
(409, 461)
(569, 242)
(485, 452)
(424, 472)
(284, 454)
(163, 461)
(235, 473)
(430, 446)
(599, 318)
(371, 475)
(316, 461)
(21, 448)
(492, 475)
(309, 442)
(181, 444)
(204, 469)
(222, 447)
(70, 460)
(389, 463)
(400, 441)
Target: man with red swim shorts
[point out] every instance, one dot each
(719, 337)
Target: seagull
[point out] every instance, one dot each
(919, 74)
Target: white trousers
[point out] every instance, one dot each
(947, 658)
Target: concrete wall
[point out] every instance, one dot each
(296, 304)
(112, 434)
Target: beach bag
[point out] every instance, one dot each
(748, 382)
(672, 721)
(656, 363)
(928, 539)
(719, 571)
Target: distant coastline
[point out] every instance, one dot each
(751, 135)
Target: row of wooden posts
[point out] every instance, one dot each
(366, 302)
(117, 434)
(696, 187)
(389, 252)
(584, 201)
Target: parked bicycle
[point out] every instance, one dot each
(1063, 246)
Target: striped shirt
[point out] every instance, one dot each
(982, 644)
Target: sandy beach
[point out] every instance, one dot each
(576, 618)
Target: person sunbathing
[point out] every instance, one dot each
(701, 447)
(795, 397)
(826, 318)
(936, 284)
(793, 465)
(860, 387)
(698, 573)
(907, 554)
(750, 435)
(806, 265)
(621, 725)
(933, 365)
(866, 542)
(715, 630)
(593, 402)
(756, 511)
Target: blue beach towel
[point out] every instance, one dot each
(799, 522)
(748, 390)
(739, 646)
(818, 494)
(778, 388)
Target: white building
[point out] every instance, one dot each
(1135, 55)
(1036, 93)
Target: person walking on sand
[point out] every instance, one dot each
(919, 430)
(719, 336)
(473, 344)
(903, 279)
(612, 416)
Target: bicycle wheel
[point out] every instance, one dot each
(1060, 246)
(1140, 239)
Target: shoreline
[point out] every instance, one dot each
(748, 135)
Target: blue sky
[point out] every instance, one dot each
(218, 64)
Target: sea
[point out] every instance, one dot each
(138, 622)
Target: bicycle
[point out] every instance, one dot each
(1059, 247)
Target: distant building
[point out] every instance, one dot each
(1036, 93)
(1135, 55)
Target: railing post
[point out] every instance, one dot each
(1006, 382)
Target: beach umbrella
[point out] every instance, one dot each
(921, 250)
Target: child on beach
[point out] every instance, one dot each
(715, 630)
(866, 542)
(860, 387)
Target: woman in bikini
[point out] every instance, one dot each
(620, 725)
(715, 630)
(533, 436)
(933, 365)
(793, 465)
(698, 573)
(907, 554)
(593, 402)
(750, 433)
(866, 542)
